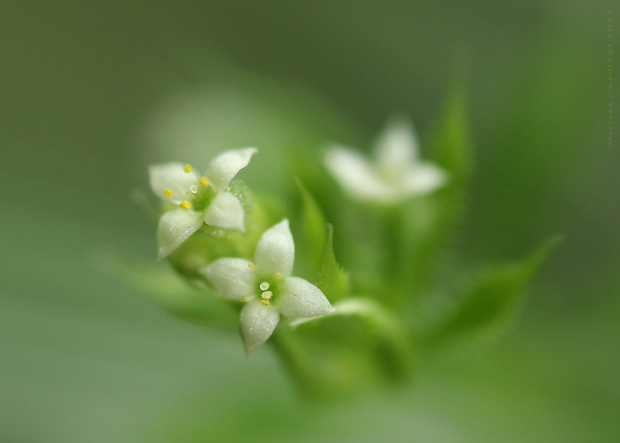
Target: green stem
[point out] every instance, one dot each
(394, 345)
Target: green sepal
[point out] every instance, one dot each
(491, 302)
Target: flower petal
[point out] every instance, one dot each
(257, 323)
(422, 178)
(225, 166)
(171, 176)
(357, 175)
(232, 277)
(225, 211)
(303, 299)
(397, 147)
(174, 228)
(275, 251)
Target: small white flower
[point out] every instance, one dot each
(396, 173)
(266, 286)
(203, 199)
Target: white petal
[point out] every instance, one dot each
(302, 299)
(225, 211)
(357, 175)
(171, 176)
(225, 166)
(232, 277)
(275, 251)
(397, 146)
(174, 228)
(257, 323)
(422, 178)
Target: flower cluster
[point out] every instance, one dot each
(264, 288)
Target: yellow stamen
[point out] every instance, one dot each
(168, 192)
(266, 295)
(265, 302)
(185, 205)
(244, 299)
(204, 181)
(251, 265)
(187, 168)
(278, 275)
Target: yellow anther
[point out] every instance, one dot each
(266, 295)
(168, 192)
(244, 299)
(204, 181)
(265, 302)
(185, 205)
(251, 265)
(187, 168)
(278, 275)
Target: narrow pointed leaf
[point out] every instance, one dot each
(450, 145)
(334, 282)
(492, 301)
(310, 236)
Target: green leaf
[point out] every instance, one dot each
(310, 236)
(491, 302)
(314, 252)
(165, 288)
(334, 282)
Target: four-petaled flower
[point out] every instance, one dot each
(395, 175)
(200, 200)
(266, 286)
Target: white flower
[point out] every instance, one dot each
(266, 286)
(395, 174)
(200, 200)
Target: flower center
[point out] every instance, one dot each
(390, 174)
(267, 288)
(197, 196)
(265, 293)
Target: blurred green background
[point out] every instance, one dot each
(92, 93)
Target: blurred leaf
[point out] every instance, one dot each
(334, 282)
(166, 289)
(450, 145)
(359, 344)
(492, 300)
(427, 223)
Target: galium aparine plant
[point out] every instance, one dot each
(330, 325)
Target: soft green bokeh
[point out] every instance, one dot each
(90, 94)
